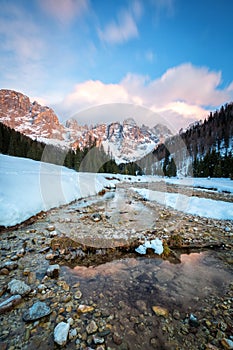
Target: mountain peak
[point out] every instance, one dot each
(126, 140)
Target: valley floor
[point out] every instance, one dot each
(109, 296)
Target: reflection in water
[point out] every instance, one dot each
(128, 289)
(198, 275)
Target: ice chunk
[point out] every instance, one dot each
(141, 249)
(157, 245)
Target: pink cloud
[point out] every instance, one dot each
(64, 11)
(181, 95)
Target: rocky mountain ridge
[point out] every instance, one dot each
(125, 141)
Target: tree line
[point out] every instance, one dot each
(89, 159)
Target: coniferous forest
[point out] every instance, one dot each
(90, 159)
(204, 149)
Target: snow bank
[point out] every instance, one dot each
(216, 184)
(28, 187)
(208, 208)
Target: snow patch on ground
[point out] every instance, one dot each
(208, 208)
(28, 187)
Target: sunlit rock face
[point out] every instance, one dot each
(125, 141)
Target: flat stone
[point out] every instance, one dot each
(18, 287)
(61, 332)
(37, 311)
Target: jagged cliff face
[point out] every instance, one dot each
(124, 141)
(31, 119)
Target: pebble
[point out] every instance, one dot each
(85, 309)
(61, 332)
(41, 288)
(50, 228)
(96, 217)
(50, 256)
(193, 321)
(26, 271)
(53, 271)
(98, 340)
(92, 327)
(101, 347)
(73, 333)
(176, 314)
(78, 294)
(160, 311)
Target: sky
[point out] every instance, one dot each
(170, 57)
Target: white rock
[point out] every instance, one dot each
(18, 287)
(61, 332)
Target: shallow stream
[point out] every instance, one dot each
(128, 288)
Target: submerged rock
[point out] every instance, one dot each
(37, 311)
(160, 311)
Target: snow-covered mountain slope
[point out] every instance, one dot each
(125, 141)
